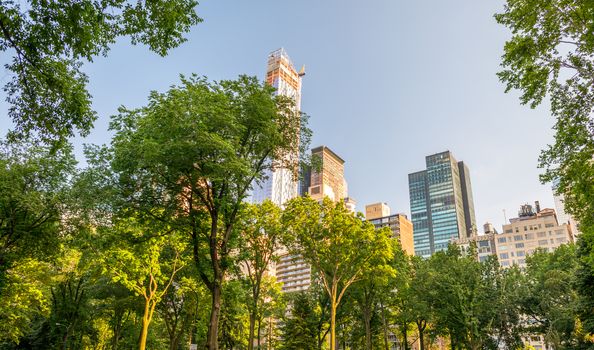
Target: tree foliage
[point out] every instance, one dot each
(48, 41)
(340, 247)
(260, 236)
(194, 152)
(551, 53)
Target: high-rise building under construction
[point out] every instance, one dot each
(281, 184)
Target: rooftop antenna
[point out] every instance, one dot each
(504, 217)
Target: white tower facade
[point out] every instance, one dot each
(280, 184)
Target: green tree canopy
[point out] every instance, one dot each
(260, 234)
(48, 42)
(34, 192)
(551, 53)
(194, 152)
(340, 247)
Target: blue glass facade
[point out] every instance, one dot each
(417, 183)
(438, 199)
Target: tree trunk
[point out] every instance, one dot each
(259, 333)
(421, 336)
(212, 338)
(333, 322)
(269, 334)
(385, 327)
(145, 324)
(405, 336)
(252, 330)
(175, 343)
(367, 317)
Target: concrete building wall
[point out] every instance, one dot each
(525, 234)
(399, 224)
(328, 181)
(376, 210)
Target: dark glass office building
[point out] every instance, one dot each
(441, 203)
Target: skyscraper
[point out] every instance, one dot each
(280, 184)
(441, 203)
(329, 180)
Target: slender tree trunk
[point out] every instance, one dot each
(212, 338)
(269, 335)
(175, 343)
(146, 319)
(333, 322)
(385, 327)
(405, 336)
(252, 330)
(421, 336)
(118, 316)
(367, 317)
(259, 334)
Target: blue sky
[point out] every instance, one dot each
(388, 82)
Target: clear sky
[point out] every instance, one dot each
(388, 82)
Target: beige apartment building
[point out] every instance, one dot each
(484, 244)
(329, 180)
(325, 181)
(529, 231)
(402, 228)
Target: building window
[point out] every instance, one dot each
(519, 245)
(518, 238)
(504, 256)
(501, 240)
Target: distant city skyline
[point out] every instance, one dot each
(382, 77)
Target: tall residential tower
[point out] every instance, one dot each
(441, 203)
(329, 180)
(280, 184)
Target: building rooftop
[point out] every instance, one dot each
(325, 148)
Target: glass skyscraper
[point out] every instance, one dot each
(441, 203)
